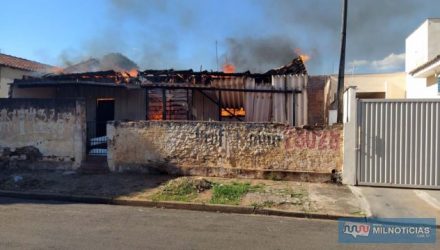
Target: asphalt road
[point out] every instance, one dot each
(26, 224)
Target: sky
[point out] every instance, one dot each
(254, 35)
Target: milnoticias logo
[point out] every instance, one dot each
(356, 229)
(387, 230)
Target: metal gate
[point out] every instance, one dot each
(96, 138)
(399, 143)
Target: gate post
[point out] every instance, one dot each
(350, 137)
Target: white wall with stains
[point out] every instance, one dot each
(55, 127)
(226, 149)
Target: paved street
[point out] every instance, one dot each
(29, 224)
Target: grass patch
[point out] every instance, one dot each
(182, 189)
(232, 193)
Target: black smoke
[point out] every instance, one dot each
(259, 54)
(376, 28)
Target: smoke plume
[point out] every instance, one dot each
(254, 35)
(111, 61)
(259, 54)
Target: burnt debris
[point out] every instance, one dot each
(295, 67)
(109, 76)
(150, 76)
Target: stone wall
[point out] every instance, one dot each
(256, 150)
(42, 133)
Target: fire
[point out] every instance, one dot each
(133, 72)
(304, 57)
(129, 74)
(229, 68)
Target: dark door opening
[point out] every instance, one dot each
(105, 111)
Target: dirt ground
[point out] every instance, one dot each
(71, 183)
(280, 195)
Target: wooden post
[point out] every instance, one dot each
(164, 104)
(187, 105)
(147, 104)
(219, 105)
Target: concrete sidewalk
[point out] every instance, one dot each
(287, 198)
(399, 202)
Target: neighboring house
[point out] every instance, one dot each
(373, 86)
(12, 67)
(428, 75)
(421, 78)
(368, 86)
(423, 60)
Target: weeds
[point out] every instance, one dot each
(182, 189)
(232, 193)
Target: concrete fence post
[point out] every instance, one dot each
(350, 137)
(111, 127)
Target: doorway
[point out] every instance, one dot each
(105, 111)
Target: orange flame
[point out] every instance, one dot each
(229, 68)
(133, 72)
(304, 57)
(130, 73)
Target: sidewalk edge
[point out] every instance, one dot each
(170, 205)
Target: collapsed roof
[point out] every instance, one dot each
(122, 75)
(295, 67)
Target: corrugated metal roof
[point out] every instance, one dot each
(231, 99)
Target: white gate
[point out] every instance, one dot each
(398, 143)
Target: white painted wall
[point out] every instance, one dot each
(7, 75)
(392, 84)
(433, 38)
(416, 44)
(421, 46)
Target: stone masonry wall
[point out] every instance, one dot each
(223, 149)
(42, 133)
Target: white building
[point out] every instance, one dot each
(12, 67)
(423, 60)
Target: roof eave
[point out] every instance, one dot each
(20, 68)
(427, 71)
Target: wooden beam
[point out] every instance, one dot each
(164, 104)
(147, 103)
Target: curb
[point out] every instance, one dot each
(171, 205)
(56, 197)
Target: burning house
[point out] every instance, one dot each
(66, 118)
(279, 95)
